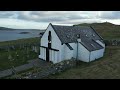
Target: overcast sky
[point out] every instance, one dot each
(40, 19)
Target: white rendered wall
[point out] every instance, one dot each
(83, 53)
(67, 53)
(96, 54)
(86, 56)
(54, 56)
(42, 53)
(74, 46)
(55, 44)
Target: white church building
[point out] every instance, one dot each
(60, 43)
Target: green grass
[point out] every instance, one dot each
(106, 30)
(20, 41)
(19, 56)
(23, 57)
(107, 67)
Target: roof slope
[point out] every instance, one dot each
(91, 45)
(68, 34)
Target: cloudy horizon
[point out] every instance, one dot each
(41, 19)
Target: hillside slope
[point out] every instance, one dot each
(5, 28)
(106, 30)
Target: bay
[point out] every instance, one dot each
(8, 35)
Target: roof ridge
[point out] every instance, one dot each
(56, 32)
(96, 32)
(63, 25)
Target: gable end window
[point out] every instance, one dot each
(49, 36)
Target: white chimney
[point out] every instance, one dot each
(78, 38)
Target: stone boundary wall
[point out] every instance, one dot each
(53, 69)
(112, 42)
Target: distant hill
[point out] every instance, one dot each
(106, 30)
(5, 28)
(41, 30)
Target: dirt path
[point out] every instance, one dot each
(31, 64)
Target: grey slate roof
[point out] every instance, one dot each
(68, 34)
(91, 45)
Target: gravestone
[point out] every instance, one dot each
(36, 49)
(33, 48)
(9, 57)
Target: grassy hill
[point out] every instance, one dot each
(5, 28)
(106, 30)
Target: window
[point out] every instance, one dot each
(49, 36)
(50, 33)
(49, 39)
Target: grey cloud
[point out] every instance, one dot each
(110, 15)
(59, 16)
(24, 15)
(40, 16)
(77, 17)
(7, 14)
(49, 16)
(40, 13)
(52, 19)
